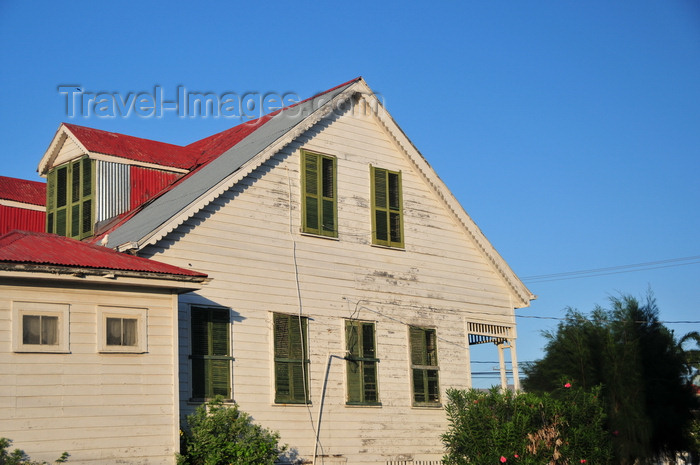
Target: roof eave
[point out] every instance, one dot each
(179, 283)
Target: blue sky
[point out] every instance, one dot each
(569, 130)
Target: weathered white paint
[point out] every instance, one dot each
(249, 242)
(67, 151)
(103, 408)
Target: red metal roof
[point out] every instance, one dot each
(21, 218)
(134, 148)
(23, 190)
(50, 249)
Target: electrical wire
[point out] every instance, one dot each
(670, 262)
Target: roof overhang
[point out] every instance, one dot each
(94, 276)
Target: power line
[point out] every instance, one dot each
(671, 262)
(536, 317)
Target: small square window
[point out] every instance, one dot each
(121, 329)
(40, 327)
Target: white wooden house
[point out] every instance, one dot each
(347, 282)
(88, 351)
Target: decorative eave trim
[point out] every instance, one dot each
(22, 205)
(406, 146)
(62, 133)
(219, 189)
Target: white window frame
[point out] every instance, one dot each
(141, 316)
(21, 309)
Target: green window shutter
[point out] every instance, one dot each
(319, 205)
(424, 366)
(361, 365)
(61, 222)
(75, 182)
(211, 354)
(387, 209)
(69, 199)
(61, 186)
(86, 197)
(353, 368)
(75, 220)
(291, 363)
(50, 201)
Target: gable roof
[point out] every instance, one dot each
(240, 146)
(23, 190)
(36, 248)
(228, 157)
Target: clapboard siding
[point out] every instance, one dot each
(101, 408)
(248, 240)
(69, 151)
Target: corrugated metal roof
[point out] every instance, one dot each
(224, 154)
(21, 218)
(134, 148)
(50, 249)
(23, 190)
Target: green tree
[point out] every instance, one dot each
(642, 369)
(219, 434)
(19, 457)
(692, 356)
(493, 427)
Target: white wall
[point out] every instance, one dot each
(249, 242)
(102, 408)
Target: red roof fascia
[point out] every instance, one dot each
(51, 249)
(23, 190)
(134, 148)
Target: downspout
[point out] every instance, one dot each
(321, 403)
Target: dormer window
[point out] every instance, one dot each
(69, 199)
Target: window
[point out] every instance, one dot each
(40, 327)
(424, 366)
(211, 352)
(387, 210)
(121, 329)
(69, 199)
(291, 360)
(361, 365)
(319, 204)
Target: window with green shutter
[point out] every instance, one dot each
(69, 199)
(211, 352)
(387, 208)
(361, 365)
(424, 366)
(291, 359)
(319, 196)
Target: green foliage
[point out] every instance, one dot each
(692, 356)
(487, 428)
(19, 457)
(219, 434)
(641, 366)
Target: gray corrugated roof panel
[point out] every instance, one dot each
(196, 184)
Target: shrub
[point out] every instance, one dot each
(19, 457)
(502, 427)
(219, 434)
